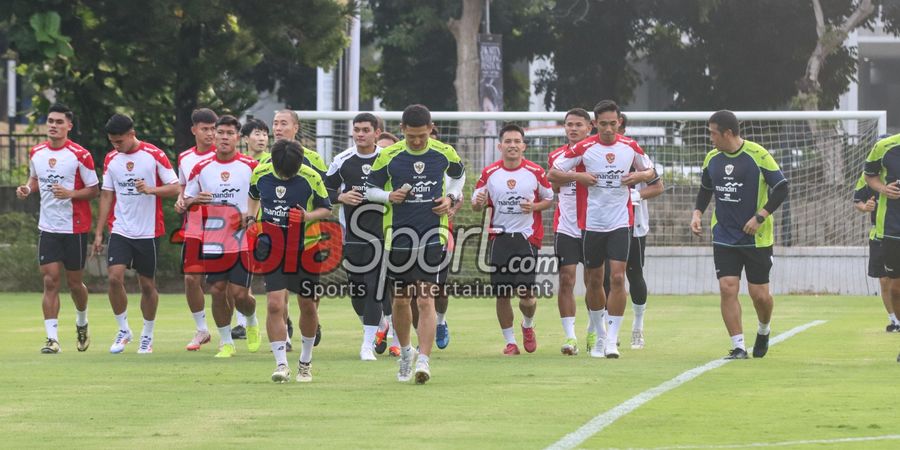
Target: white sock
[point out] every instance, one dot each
(638, 324)
(737, 341)
(279, 349)
(241, 319)
(423, 357)
(597, 318)
(122, 321)
(200, 320)
(390, 321)
(568, 324)
(509, 335)
(52, 328)
(306, 348)
(369, 335)
(591, 328)
(148, 328)
(612, 335)
(528, 322)
(81, 317)
(440, 318)
(893, 318)
(763, 329)
(251, 320)
(225, 335)
(407, 351)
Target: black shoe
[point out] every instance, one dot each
(290, 327)
(761, 346)
(238, 332)
(318, 335)
(892, 328)
(737, 353)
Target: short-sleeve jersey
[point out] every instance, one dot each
(424, 171)
(605, 206)
(884, 161)
(740, 182)
(277, 196)
(506, 190)
(72, 167)
(565, 217)
(227, 181)
(862, 193)
(350, 170)
(641, 208)
(136, 215)
(188, 159)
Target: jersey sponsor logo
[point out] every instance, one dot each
(366, 168)
(129, 166)
(511, 183)
(610, 157)
(225, 175)
(52, 162)
(419, 167)
(129, 186)
(511, 204)
(728, 169)
(280, 191)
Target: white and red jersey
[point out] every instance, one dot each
(228, 182)
(136, 215)
(606, 206)
(641, 213)
(507, 189)
(565, 217)
(188, 159)
(72, 167)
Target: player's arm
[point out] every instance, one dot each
(863, 198)
(651, 190)
(454, 180)
(164, 191)
(704, 196)
(192, 193)
(106, 199)
(544, 195)
(561, 173)
(641, 174)
(85, 193)
(26, 189)
(321, 203)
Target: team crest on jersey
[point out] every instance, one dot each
(511, 183)
(129, 166)
(225, 176)
(728, 169)
(366, 168)
(610, 157)
(419, 167)
(280, 191)
(52, 162)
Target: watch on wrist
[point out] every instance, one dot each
(453, 199)
(760, 218)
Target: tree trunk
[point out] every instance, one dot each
(465, 32)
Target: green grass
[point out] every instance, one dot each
(835, 380)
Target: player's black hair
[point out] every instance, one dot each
(386, 135)
(253, 125)
(203, 115)
(228, 119)
(60, 108)
(416, 116)
(368, 117)
(119, 124)
(725, 120)
(580, 112)
(435, 133)
(287, 156)
(623, 120)
(605, 106)
(511, 127)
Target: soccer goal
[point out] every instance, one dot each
(820, 237)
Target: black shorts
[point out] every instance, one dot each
(876, 259)
(406, 265)
(515, 261)
(365, 276)
(138, 254)
(299, 280)
(237, 274)
(891, 250)
(68, 248)
(599, 246)
(568, 249)
(756, 261)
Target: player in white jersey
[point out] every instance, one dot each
(221, 185)
(567, 240)
(634, 269)
(517, 190)
(62, 173)
(603, 165)
(203, 128)
(136, 177)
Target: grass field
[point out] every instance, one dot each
(832, 381)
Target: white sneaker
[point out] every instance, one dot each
(367, 353)
(406, 361)
(282, 374)
(304, 372)
(637, 340)
(146, 346)
(122, 337)
(612, 349)
(423, 372)
(597, 351)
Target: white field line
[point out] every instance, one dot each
(887, 437)
(603, 420)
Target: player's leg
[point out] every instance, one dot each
(75, 281)
(615, 306)
(193, 292)
(276, 330)
(145, 261)
(528, 307)
(222, 310)
(891, 252)
(524, 281)
(568, 254)
(120, 255)
(50, 305)
(595, 254)
(637, 287)
(758, 262)
(729, 265)
(425, 293)
(876, 270)
(239, 279)
(309, 322)
(361, 292)
(441, 303)
(371, 320)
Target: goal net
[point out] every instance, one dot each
(820, 238)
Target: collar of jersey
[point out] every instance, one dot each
(233, 158)
(56, 149)
(419, 152)
(521, 164)
(736, 152)
(136, 148)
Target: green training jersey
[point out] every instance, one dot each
(884, 162)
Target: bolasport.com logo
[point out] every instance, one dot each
(464, 268)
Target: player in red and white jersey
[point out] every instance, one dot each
(517, 190)
(136, 177)
(567, 240)
(63, 172)
(203, 127)
(603, 165)
(220, 186)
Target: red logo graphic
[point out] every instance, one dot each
(129, 166)
(511, 183)
(225, 176)
(52, 162)
(610, 157)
